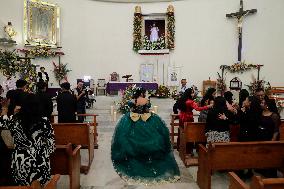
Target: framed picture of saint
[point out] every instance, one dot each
(154, 28)
(41, 23)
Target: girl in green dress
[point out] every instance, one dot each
(141, 150)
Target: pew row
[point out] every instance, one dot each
(93, 125)
(256, 183)
(174, 124)
(194, 132)
(76, 133)
(237, 156)
(36, 185)
(66, 161)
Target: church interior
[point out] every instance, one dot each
(112, 94)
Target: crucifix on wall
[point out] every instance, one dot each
(240, 17)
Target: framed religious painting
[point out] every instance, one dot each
(174, 76)
(208, 84)
(146, 72)
(154, 32)
(41, 23)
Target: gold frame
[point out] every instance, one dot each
(53, 34)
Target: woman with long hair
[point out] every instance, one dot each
(207, 99)
(270, 120)
(141, 150)
(34, 141)
(186, 105)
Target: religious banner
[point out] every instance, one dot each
(173, 76)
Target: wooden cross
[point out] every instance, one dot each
(240, 17)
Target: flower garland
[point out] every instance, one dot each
(171, 27)
(41, 52)
(240, 67)
(60, 71)
(137, 29)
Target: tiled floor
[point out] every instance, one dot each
(102, 174)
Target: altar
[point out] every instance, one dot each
(117, 86)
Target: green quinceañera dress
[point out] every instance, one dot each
(141, 150)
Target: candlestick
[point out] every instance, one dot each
(111, 110)
(155, 108)
(114, 116)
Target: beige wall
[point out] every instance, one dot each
(97, 37)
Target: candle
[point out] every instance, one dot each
(114, 116)
(111, 110)
(155, 109)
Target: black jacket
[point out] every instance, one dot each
(46, 104)
(66, 107)
(40, 76)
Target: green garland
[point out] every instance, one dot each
(137, 29)
(171, 30)
(239, 67)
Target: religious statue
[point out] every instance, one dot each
(154, 33)
(9, 30)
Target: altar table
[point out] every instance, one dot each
(116, 86)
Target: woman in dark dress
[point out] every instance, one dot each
(249, 117)
(217, 127)
(270, 121)
(34, 142)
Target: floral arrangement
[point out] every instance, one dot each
(175, 94)
(10, 66)
(155, 45)
(43, 52)
(137, 30)
(259, 84)
(163, 92)
(171, 27)
(8, 62)
(60, 71)
(127, 95)
(280, 105)
(221, 84)
(240, 67)
(28, 72)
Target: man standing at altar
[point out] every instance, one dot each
(43, 76)
(183, 87)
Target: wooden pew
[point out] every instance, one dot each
(174, 124)
(194, 132)
(237, 156)
(76, 133)
(67, 161)
(93, 124)
(256, 183)
(36, 185)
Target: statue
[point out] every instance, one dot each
(9, 30)
(154, 33)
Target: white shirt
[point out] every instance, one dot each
(183, 88)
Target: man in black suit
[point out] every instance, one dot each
(45, 100)
(43, 76)
(66, 105)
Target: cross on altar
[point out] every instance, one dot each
(240, 17)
